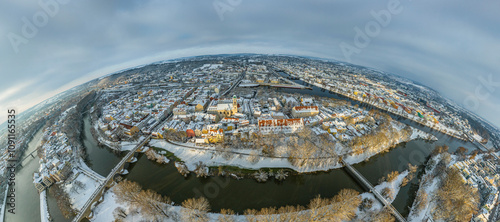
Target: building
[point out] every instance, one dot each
(304, 111)
(129, 130)
(42, 182)
(223, 108)
(213, 135)
(280, 125)
(61, 172)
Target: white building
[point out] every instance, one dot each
(280, 125)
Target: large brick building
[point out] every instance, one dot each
(280, 125)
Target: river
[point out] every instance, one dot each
(27, 197)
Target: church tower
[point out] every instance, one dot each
(235, 105)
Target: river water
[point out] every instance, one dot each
(246, 193)
(27, 197)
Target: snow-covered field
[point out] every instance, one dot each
(104, 210)
(78, 196)
(209, 158)
(192, 156)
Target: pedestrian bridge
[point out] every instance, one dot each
(372, 189)
(86, 209)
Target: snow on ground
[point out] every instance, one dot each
(104, 210)
(191, 156)
(208, 157)
(211, 66)
(44, 210)
(394, 185)
(419, 134)
(377, 206)
(477, 137)
(430, 188)
(128, 146)
(78, 196)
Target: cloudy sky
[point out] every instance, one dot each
(49, 46)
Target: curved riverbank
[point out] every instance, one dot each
(223, 192)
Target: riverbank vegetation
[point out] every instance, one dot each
(63, 201)
(127, 201)
(155, 207)
(152, 205)
(443, 193)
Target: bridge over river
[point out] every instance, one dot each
(372, 189)
(86, 209)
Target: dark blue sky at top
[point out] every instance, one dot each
(446, 45)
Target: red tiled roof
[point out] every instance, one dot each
(278, 122)
(299, 108)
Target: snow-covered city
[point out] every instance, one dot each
(265, 121)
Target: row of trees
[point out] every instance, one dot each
(306, 149)
(155, 207)
(342, 207)
(172, 134)
(455, 200)
(380, 139)
(62, 199)
(152, 155)
(152, 205)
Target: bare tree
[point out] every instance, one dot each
(226, 215)
(455, 199)
(119, 213)
(250, 215)
(77, 185)
(261, 176)
(392, 176)
(195, 209)
(201, 169)
(383, 216)
(154, 205)
(253, 157)
(388, 193)
(128, 192)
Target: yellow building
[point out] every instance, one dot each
(224, 109)
(213, 136)
(198, 108)
(304, 111)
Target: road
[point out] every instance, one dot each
(242, 76)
